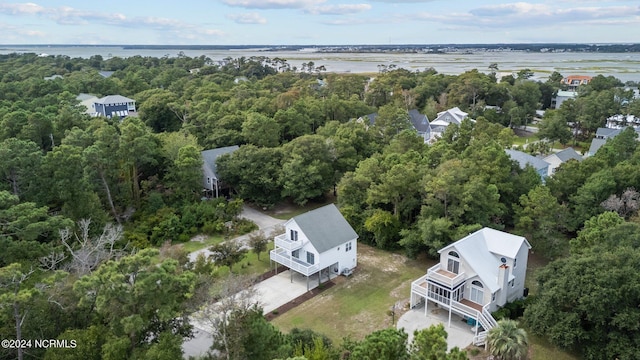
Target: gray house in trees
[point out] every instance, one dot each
(210, 179)
(419, 121)
(114, 106)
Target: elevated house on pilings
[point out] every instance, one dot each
(319, 243)
(475, 276)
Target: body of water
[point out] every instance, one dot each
(624, 66)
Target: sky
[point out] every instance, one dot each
(318, 22)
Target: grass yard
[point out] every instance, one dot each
(358, 305)
(195, 245)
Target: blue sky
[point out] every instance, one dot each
(227, 22)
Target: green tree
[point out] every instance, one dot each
(554, 128)
(185, 175)
(20, 167)
(539, 218)
(261, 130)
(588, 302)
(227, 253)
(306, 172)
(507, 341)
(593, 230)
(387, 344)
(140, 301)
(258, 243)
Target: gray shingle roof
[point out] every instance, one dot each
(420, 122)
(568, 154)
(325, 227)
(114, 99)
(209, 158)
(525, 159)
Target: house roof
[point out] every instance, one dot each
(105, 73)
(456, 114)
(525, 159)
(605, 133)
(565, 93)
(420, 121)
(325, 227)
(209, 158)
(483, 249)
(568, 154)
(596, 144)
(114, 99)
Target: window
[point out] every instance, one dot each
(311, 258)
(208, 180)
(294, 235)
(296, 254)
(477, 294)
(348, 247)
(515, 261)
(453, 265)
(512, 283)
(493, 297)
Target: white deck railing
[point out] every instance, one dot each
(282, 257)
(281, 241)
(451, 282)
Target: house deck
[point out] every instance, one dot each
(446, 273)
(471, 304)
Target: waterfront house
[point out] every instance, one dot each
(319, 242)
(211, 181)
(475, 276)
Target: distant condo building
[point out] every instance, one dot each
(574, 81)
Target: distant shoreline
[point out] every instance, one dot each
(387, 48)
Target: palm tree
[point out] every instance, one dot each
(507, 341)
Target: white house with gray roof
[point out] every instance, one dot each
(319, 242)
(475, 276)
(446, 118)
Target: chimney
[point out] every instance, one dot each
(503, 281)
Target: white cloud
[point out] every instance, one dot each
(21, 9)
(247, 18)
(273, 4)
(338, 9)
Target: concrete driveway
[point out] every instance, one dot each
(459, 333)
(270, 295)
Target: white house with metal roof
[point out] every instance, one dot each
(475, 276)
(446, 118)
(319, 242)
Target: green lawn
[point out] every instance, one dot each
(358, 305)
(192, 246)
(521, 140)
